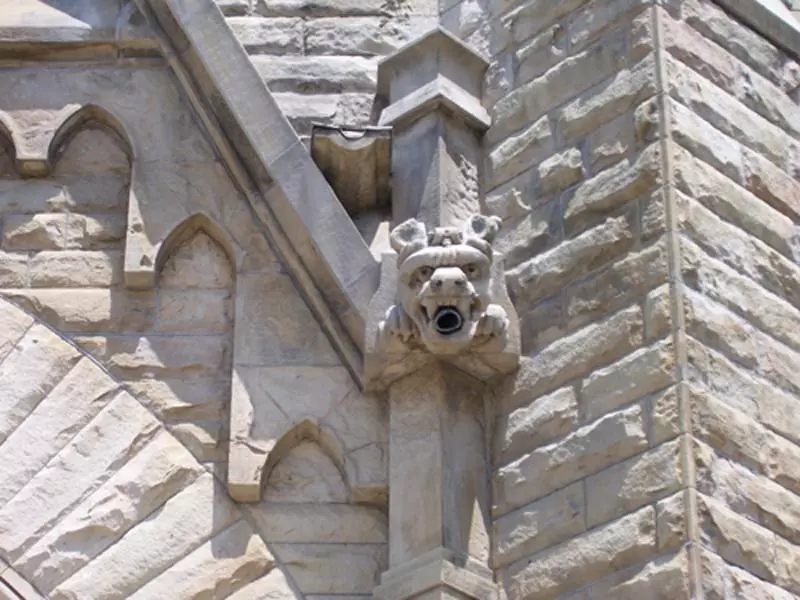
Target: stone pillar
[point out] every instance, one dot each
(439, 495)
(433, 90)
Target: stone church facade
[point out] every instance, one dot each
(394, 299)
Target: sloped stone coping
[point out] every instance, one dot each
(770, 18)
(278, 168)
(15, 587)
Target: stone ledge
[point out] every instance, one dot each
(770, 18)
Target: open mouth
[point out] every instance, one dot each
(446, 315)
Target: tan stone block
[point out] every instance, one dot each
(635, 376)
(663, 578)
(672, 528)
(90, 232)
(740, 251)
(519, 152)
(588, 557)
(596, 106)
(665, 415)
(737, 540)
(112, 438)
(751, 495)
(608, 440)
(189, 311)
(186, 520)
(44, 231)
(611, 142)
(204, 439)
(591, 22)
(630, 485)
(90, 310)
(29, 372)
(541, 53)
(272, 587)
(744, 440)
(768, 312)
(268, 36)
(617, 285)
(306, 474)
(333, 568)
(779, 364)
(89, 193)
(658, 312)
(13, 325)
(149, 479)
(526, 235)
(539, 525)
(153, 356)
(69, 406)
(612, 188)
(281, 331)
(200, 262)
(320, 523)
(76, 268)
(560, 171)
(732, 203)
(13, 269)
(364, 36)
(182, 400)
(535, 424)
(551, 271)
(225, 564)
(542, 325)
(722, 581)
(31, 196)
(571, 357)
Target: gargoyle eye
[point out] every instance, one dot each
(425, 273)
(472, 270)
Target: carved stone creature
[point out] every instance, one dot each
(444, 287)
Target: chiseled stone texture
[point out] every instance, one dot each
(622, 211)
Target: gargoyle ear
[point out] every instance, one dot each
(408, 237)
(482, 227)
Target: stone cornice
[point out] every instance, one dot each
(770, 18)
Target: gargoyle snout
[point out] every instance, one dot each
(449, 281)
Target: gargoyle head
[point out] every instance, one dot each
(445, 281)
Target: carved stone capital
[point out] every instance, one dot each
(442, 297)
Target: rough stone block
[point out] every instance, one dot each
(611, 439)
(333, 569)
(76, 268)
(590, 556)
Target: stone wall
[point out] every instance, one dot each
(115, 403)
(320, 57)
(651, 241)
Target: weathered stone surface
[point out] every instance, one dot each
(33, 367)
(362, 36)
(665, 415)
(573, 356)
(750, 495)
(672, 528)
(272, 587)
(13, 325)
(198, 263)
(550, 271)
(317, 74)
(110, 440)
(223, 565)
(76, 269)
(333, 569)
(188, 311)
(630, 485)
(306, 474)
(187, 520)
(560, 171)
(612, 189)
(319, 523)
(13, 269)
(616, 286)
(44, 231)
(589, 556)
(269, 36)
(722, 581)
(149, 479)
(635, 376)
(663, 578)
(519, 152)
(611, 439)
(77, 398)
(535, 424)
(539, 525)
(89, 310)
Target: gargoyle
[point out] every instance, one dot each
(444, 287)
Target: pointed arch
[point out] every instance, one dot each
(186, 230)
(83, 117)
(309, 430)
